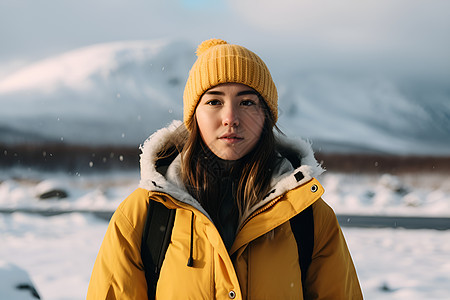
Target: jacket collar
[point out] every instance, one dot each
(286, 177)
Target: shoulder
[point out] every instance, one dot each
(137, 200)
(119, 260)
(131, 213)
(322, 210)
(324, 218)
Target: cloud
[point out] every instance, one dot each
(409, 36)
(344, 18)
(396, 31)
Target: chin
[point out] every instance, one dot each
(231, 155)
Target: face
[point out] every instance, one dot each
(230, 118)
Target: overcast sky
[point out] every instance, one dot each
(392, 36)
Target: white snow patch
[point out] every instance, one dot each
(392, 195)
(401, 264)
(15, 283)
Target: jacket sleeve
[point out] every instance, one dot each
(118, 270)
(331, 274)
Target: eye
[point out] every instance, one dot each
(213, 102)
(248, 102)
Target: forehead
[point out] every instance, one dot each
(232, 88)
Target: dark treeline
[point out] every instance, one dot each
(73, 159)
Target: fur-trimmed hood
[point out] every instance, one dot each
(168, 180)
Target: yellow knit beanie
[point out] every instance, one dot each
(219, 62)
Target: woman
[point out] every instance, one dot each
(235, 188)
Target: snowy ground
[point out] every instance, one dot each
(386, 194)
(58, 252)
(400, 263)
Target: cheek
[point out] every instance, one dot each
(255, 123)
(205, 117)
(258, 129)
(202, 120)
(205, 125)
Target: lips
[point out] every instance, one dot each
(231, 137)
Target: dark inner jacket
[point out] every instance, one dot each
(223, 209)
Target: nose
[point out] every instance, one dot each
(230, 116)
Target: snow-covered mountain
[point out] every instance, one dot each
(100, 95)
(119, 93)
(368, 113)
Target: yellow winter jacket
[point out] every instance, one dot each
(263, 261)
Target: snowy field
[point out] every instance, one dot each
(386, 194)
(58, 252)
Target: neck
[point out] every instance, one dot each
(222, 167)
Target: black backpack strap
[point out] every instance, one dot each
(155, 241)
(302, 226)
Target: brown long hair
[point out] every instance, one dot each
(254, 172)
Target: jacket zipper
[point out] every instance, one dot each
(261, 210)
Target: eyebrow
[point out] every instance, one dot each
(242, 93)
(248, 92)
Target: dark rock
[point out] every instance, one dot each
(55, 193)
(32, 289)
